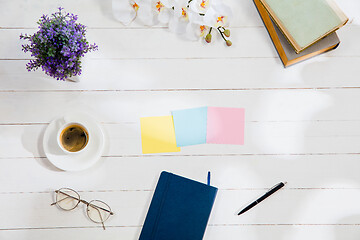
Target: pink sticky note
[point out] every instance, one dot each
(225, 125)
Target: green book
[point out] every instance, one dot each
(286, 53)
(305, 22)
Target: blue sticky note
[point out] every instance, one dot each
(190, 126)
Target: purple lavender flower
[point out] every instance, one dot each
(58, 45)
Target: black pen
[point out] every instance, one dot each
(260, 199)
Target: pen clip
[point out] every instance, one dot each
(284, 183)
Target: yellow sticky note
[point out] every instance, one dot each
(158, 135)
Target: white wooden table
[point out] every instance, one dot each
(302, 126)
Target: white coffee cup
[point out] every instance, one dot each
(73, 137)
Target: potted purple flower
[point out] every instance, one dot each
(58, 45)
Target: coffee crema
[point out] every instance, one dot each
(74, 138)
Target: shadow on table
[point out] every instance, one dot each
(106, 8)
(350, 231)
(314, 127)
(32, 141)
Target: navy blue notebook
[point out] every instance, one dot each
(179, 210)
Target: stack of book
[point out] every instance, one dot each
(301, 29)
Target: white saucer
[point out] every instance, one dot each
(74, 162)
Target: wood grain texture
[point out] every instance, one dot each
(252, 232)
(129, 106)
(196, 74)
(149, 44)
(306, 207)
(98, 14)
(262, 138)
(302, 126)
(233, 172)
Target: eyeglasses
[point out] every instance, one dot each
(68, 199)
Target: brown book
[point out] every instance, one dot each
(285, 50)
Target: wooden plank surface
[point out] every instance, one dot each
(98, 14)
(130, 207)
(302, 126)
(260, 105)
(280, 137)
(233, 172)
(149, 44)
(188, 74)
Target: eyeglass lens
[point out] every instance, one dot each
(98, 211)
(67, 199)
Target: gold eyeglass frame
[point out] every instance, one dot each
(85, 202)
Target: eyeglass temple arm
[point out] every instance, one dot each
(68, 196)
(83, 201)
(102, 221)
(97, 207)
(61, 200)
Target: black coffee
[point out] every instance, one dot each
(74, 138)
